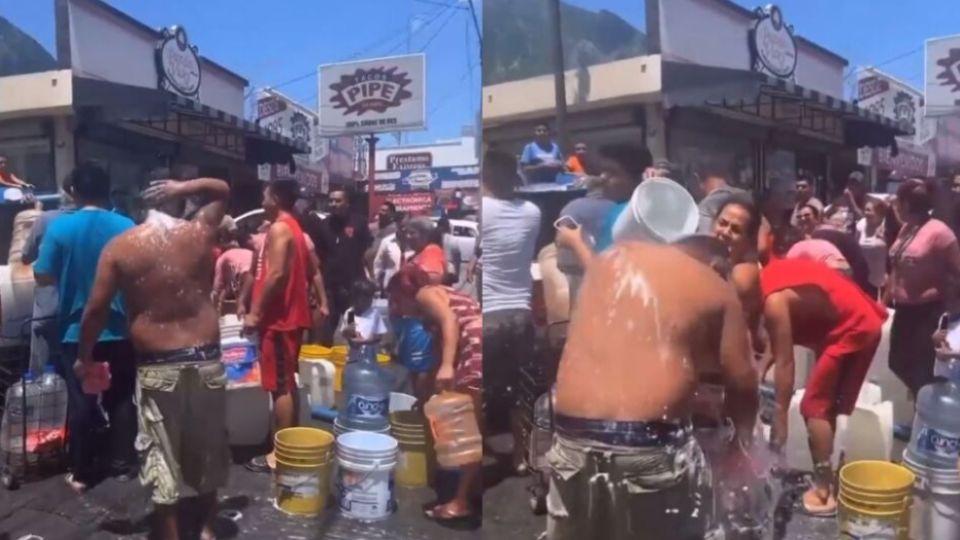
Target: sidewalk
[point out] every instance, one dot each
(49, 510)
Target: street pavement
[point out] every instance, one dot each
(48, 510)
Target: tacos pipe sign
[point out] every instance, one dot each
(373, 96)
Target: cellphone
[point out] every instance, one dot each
(565, 221)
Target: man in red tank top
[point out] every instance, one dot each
(280, 311)
(807, 303)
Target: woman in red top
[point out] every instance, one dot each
(456, 322)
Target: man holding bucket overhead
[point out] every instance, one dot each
(163, 270)
(807, 303)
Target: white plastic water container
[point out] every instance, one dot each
(16, 417)
(318, 376)
(660, 210)
(365, 475)
(893, 390)
(867, 434)
(935, 438)
(231, 327)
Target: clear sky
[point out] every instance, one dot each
(271, 42)
(865, 32)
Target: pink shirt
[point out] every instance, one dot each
(231, 265)
(821, 251)
(921, 273)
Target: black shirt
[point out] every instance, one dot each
(341, 244)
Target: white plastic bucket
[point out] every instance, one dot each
(401, 402)
(365, 475)
(660, 210)
(936, 502)
(340, 429)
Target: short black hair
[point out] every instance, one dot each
(89, 181)
(391, 206)
(286, 190)
(805, 177)
(499, 170)
(363, 288)
(635, 159)
(753, 224)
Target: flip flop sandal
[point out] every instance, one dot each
(441, 515)
(258, 465)
(822, 514)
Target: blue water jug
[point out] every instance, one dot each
(366, 386)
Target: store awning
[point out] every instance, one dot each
(158, 109)
(775, 100)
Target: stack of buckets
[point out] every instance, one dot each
(875, 500)
(936, 502)
(304, 464)
(416, 463)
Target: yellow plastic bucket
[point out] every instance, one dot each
(315, 352)
(339, 355)
(415, 462)
(874, 500)
(304, 464)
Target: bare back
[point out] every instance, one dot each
(166, 275)
(650, 323)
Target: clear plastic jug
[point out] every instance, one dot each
(20, 415)
(456, 434)
(367, 388)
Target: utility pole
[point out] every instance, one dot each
(559, 73)
(476, 23)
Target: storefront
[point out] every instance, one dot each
(441, 178)
(135, 100)
(715, 86)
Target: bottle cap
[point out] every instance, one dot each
(28, 376)
(50, 368)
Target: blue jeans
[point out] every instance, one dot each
(102, 429)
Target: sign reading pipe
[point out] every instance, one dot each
(373, 96)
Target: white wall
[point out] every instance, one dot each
(35, 94)
(453, 153)
(106, 47)
(711, 33)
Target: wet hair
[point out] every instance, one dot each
(917, 195)
(286, 191)
(89, 181)
(708, 250)
(363, 288)
(755, 220)
(634, 159)
(499, 171)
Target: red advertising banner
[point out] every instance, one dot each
(419, 203)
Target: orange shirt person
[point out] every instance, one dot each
(8, 179)
(577, 162)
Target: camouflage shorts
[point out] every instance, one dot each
(182, 439)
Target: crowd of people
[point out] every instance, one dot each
(653, 325)
(129, 315)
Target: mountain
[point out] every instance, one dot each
(517, 41)
(20, 53)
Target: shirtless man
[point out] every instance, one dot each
(626, 388)
(163, 270)
(807, 303)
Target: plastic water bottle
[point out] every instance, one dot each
(367, 389)
(935, 440)
(15, 416)
(456, 433)
(53, 400)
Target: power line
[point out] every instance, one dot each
(443, 100)
(454, 5)
(453, 14)
(888, 61)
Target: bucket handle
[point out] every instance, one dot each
(376, 468)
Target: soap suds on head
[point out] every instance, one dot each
(631, 282)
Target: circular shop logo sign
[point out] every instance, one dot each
(774, 45)
(179, 63)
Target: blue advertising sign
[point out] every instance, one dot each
(431, 179)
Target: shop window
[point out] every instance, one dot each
(31, 159)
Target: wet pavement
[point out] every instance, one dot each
(50, 511)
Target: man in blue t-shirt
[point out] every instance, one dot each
(68, 260)
(541, 160)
